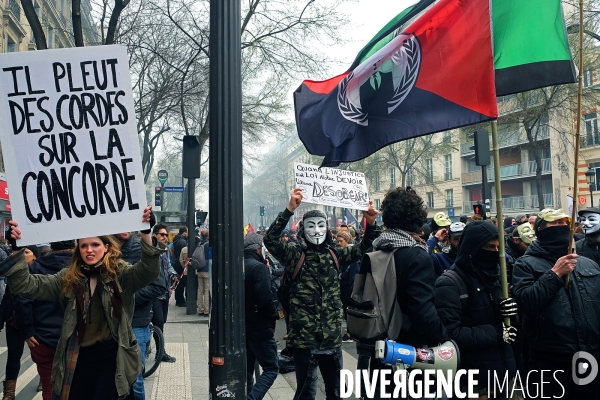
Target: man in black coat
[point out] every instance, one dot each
(558, 321)
(261, 314)
(178, 244)
(475, 324)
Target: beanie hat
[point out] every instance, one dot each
(253, 241)
(345, 235)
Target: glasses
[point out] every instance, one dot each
(161, 234)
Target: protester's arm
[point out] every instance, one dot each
(144, 271)
(449, 309)
(431, 243)
(21, 282)
(533, 293)
(349, 254)
(287, 254)
(152, 291)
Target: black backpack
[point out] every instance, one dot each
(462, 286)
(283, 292)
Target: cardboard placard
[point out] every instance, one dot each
(70, 143)
(332, 187)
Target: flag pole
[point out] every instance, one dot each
(577, 133)
(499, 216)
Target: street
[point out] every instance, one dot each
(186, 338)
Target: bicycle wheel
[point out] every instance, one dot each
(155, 349)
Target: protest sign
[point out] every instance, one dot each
(331, 186)
(70, 144)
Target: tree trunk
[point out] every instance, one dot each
(114, 19)
(77, 29)
(34, 23)
(538, 179)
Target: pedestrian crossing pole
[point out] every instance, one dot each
(227, 340)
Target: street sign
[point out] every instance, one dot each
(581, 199)
(171, 189)
(163, 175)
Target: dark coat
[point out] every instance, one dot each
(588, 248)
(558, 322)
(144, 299)
(415, 292)
(178, 244)
(131, 250)
(476, 329)
(42, 319)
(261, 305)
(442, 261)
(347, 281)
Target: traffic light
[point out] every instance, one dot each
(482, 147)
(157, 195)
(479, 209)
(262, 211)
(200, 217)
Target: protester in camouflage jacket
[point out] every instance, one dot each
(315, 314)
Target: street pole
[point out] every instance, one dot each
(192, 282)
(162, 196)
(227, 332)
(483, 189)
(592, 187)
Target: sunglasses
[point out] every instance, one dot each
(161, 234)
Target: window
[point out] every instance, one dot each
(410, 177)
(430, 200)
(429, 170)
(392, 178)
(448, 167)
(447, 137)
(377, 204)
(591, 130)
(449, 198)
(377, 182)
(11, 47)
(50, 37)
(588, 78)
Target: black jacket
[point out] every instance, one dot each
(557, 321)
(178, 244)
(131, 250)
(42, 319)
(261, 305)
(144, 299)
(476, 329)
(415, 293)
(588, 248)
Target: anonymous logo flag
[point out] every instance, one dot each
(433, 75)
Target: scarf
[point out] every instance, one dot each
(485, 263)
(395, 238)
(554, 240)
(83, 296)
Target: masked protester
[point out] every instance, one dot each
(315, 312)
(558, 321)
(590, 245)
(438, 241)
(443, 261)
(476, 323)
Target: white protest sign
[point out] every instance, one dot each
(70, 143)
(332, 187)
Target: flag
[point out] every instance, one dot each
(434, 74)
(530, 45)
(248, 229)
(349, 219)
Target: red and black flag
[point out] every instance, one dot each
(435, 73)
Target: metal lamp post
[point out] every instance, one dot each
(590, 177)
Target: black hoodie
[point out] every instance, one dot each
(477, 328)
(42, 319)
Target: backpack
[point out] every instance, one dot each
(283, 291)
(462, 287)
(199, 260)
(373, 312)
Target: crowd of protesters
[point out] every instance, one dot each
(448, 287)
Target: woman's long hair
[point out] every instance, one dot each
(111, 269)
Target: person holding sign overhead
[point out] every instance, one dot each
(97, 356)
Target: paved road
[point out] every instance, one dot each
(187, 379)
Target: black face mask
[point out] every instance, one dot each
(485, 263)
(555, 240)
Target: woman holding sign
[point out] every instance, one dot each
(97, 355)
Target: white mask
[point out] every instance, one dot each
(590, 222)
(315, 229)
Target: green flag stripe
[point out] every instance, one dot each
(384, 36)
(528, 32)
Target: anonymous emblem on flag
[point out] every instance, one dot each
(401, 57)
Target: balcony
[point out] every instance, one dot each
(521, 170)
(508, 139)
(14, 7)
(515, 203)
